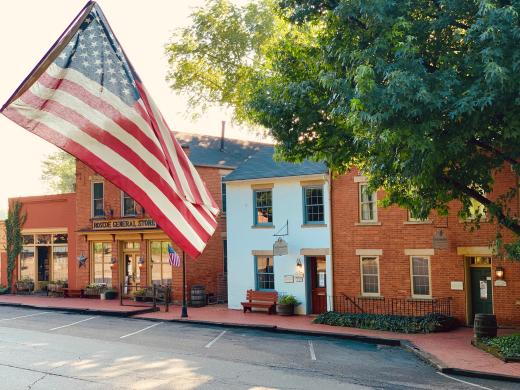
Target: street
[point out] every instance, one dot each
(57, 350)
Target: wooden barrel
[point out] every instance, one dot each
(198, 296)
(485, 325)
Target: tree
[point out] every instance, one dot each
(422, 96)
(59, 172)
(13, 233)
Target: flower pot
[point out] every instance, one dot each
(102, 296)
(110, 294)
(285, 309)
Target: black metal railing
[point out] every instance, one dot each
(154, 295)
(390, 306)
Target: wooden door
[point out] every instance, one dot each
(481, 291)
(132, 272)
(318, 284)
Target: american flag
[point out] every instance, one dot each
(86, 98)
(175, 261)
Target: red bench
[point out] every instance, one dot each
(70, 293)
(262, 299)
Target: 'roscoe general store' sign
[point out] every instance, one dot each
(114, 224)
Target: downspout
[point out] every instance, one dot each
(331, 242)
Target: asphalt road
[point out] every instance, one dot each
(56, 350)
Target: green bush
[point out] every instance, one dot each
(507, 346)
(3, 289)
(287, 300)
(393, 323)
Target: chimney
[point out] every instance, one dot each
(222, 133)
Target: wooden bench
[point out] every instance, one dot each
(262, 299)
(71, 292)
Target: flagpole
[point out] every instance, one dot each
(184, 313)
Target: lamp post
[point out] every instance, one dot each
(184, 313)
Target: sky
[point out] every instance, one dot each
(30, 27)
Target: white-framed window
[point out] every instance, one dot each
(313, 207)
(128, 208)
(420, 276)
(98, 199)
(263, 207)
(367, 204)
(370, 276)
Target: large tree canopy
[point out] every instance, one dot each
(59, 172)
(422, 96)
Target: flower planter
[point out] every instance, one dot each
(285, 309)
(110, 294)
(24, 286)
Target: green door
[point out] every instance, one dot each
(481, 293)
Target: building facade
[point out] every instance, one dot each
(384, 254)
(270, 201)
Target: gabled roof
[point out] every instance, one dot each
(205, 150)
(261, 165)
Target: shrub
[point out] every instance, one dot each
(507, 346)
(393, 323)
(287, 300)
(3, 289)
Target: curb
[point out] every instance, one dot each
(82, 311)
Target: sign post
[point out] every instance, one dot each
(184, 313)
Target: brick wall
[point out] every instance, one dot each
(393, 235)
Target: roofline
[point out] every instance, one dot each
(225, 138)
(230, 167)
(324, 175)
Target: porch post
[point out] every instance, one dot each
(184, 313)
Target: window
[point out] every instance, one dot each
(370, 275)
(313, 205)
(102, 262)
(420, 267)
(98, 200)
(127, 206)
(412, 218)
(44, 257)
(263, 200)
(367, 204)
(264, 273)
(224, 246)
(160, 263)
(223, 187)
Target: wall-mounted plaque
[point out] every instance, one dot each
(440, 241)
(122, 224)
(457, 285)
(288, 279)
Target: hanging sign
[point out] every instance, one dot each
(440, 241)
(280, 247)
(483, 289)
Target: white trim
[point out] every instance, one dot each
(419, 252)
(423, 296)
(360, 205)
(369, 252)
(363, 293)
(320, 176)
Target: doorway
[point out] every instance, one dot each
(44, 263)
(131, 266)
(317, 291)
(481, 290)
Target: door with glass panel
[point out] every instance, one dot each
(318, 284)
(131, 265)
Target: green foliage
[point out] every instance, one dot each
(507, 346)
(422, 96)
(59, 172)
(3, 289)
(13, 231)
(288, 300)
(393, 323)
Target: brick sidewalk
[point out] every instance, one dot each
(448, 349)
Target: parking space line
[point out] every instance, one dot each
(311, 349)
(461, 381)
(74, 323)
(208, 345)
(139, 331)
(28, 315)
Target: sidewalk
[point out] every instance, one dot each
(450, 352)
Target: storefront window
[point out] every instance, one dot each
(60, 238)
(103, 262)
(43, 239)
(28, 239)
(161, 269)
(60, 262)
(27, 263)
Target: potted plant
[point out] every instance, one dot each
(94, 290)
(25, 285)
(286, 305)
(110, 294)
(139, 295)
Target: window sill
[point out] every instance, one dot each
(419, 299)
(262, 226)
(314, 225)
(425, 222)
(367, 224)
(373, 297)
(129, 216)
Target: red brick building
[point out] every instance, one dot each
(382, 253)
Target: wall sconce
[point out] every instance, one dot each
(113, 262)
(299, 264)
(141, 261)
(499, 273)
(82, 260)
